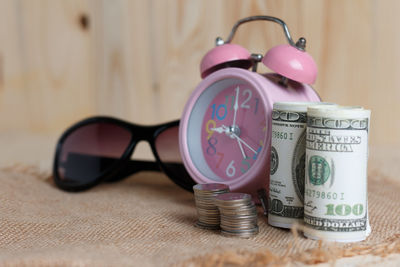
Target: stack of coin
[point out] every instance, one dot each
(238, 214)
(207, 211)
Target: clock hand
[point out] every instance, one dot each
(244, 143)
(241, 148)
(222, 129)
(236, 106)
(225, 129)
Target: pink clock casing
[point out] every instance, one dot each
(224, 54)
(292, 63)
(270, 91)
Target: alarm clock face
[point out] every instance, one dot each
(227, 130)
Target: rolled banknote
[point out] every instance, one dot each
(335, 195)
(288, 141)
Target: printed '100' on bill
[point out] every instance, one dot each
(335, 195)
(288, 140)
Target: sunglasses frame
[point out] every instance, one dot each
(138, 133)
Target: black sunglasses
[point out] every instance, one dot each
(99, 149)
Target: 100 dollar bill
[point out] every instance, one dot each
(288, 140)
(335, 196)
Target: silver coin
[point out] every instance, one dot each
(210, 193)
(208, 208)
(234, 224)
(209, 223)
(239, 213)
(205, 204)
(206, 226)
(208, 212)
(233, 219)
(242, 222)
(238, 224)
(210, 216)
(239, 234)
(248, 229)
(236, 220)
(233, 198)
(239, 217)
(236, 205)
(232, 204)
(209, 220)
(210, 187)
(207, 198)
(244, 231)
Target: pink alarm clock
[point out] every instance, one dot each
(225, 129)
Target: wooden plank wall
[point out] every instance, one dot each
(139, 60)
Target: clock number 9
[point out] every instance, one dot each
(213, 124)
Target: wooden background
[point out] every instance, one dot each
(63, 60)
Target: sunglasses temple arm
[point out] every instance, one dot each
(132, 167)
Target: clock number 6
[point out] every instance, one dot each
(230, 170)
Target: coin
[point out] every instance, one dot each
(206, 226)
(238, 214)
(207, 212)
(206, 188)
(241, 233)
(233, 198)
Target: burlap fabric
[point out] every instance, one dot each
(148, 221)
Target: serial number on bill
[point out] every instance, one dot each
(282, 135)
(323, 195)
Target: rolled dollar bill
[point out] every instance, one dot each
(286, 195)
(335, 196)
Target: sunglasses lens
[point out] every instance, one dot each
(167, 146)
(90, 151)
